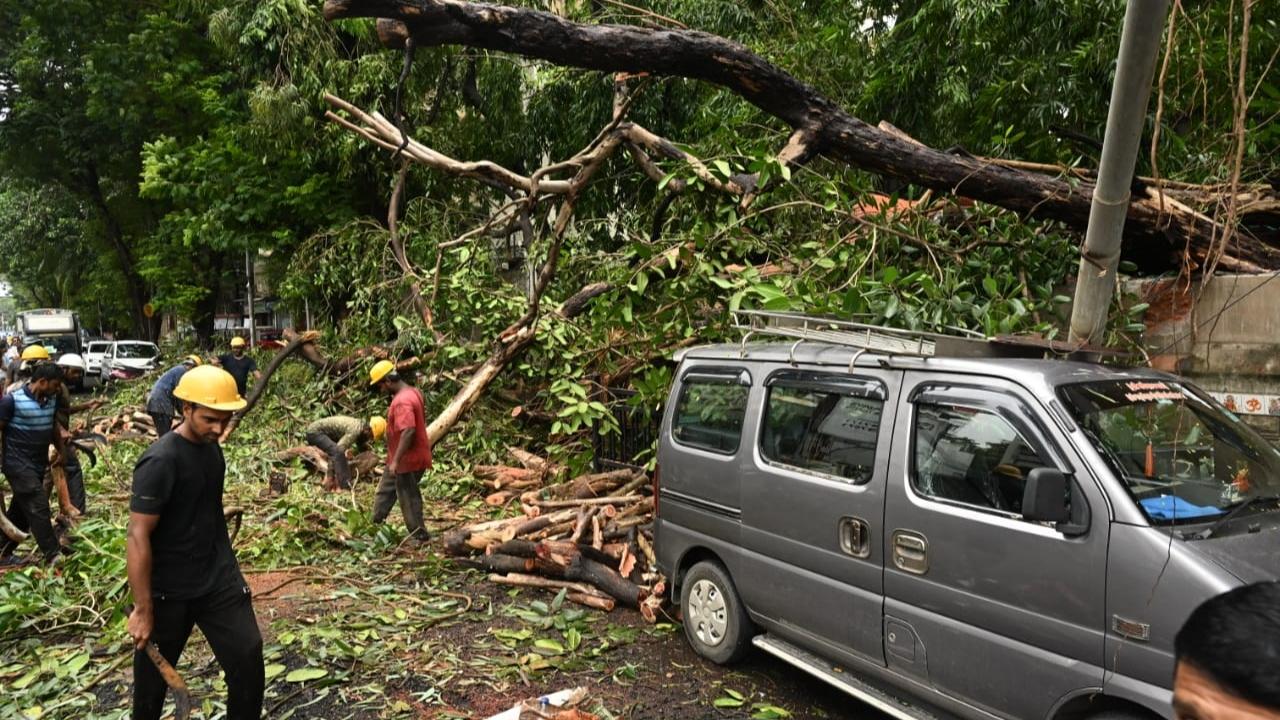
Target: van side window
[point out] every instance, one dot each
(821, 431)
(709, 414)
(971, 456)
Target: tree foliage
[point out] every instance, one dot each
(171, 137)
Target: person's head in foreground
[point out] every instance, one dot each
(1228, 655)
(209, 398)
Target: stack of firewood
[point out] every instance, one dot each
(130, 422)
(591, 536)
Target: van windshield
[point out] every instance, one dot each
(1182, 457)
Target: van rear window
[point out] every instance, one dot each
(822, 431)
(709, 414)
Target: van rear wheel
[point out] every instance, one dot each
(715, 622)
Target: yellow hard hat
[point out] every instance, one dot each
(237, 341)
(379, 427)
(35, 352)
(194, 360)
(381, 369)
(210, 387)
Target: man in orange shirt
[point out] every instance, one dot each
(408, 450)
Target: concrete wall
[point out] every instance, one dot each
(1225, 336)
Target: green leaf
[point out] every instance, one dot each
(723, 167)
(305, 674)
(273, 670)
(762, 711)
(989, 284)
(728, 702)
(549, 645)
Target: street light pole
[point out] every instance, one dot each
(1100, 256)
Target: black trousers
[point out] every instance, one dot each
(226, 618)
(29, 510)
(338, 464)
(163, 421)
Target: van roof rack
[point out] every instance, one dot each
(896, 341)
(870, 338)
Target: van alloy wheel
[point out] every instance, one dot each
(707, 612)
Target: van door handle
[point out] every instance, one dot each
(855, 537)
(910, 552)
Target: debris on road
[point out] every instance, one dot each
(591, 536)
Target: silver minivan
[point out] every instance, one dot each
(950, 536)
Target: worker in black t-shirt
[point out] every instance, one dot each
(240, 366)
(181, 567)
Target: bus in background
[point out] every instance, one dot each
(56, 329)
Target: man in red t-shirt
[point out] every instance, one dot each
(408, 450)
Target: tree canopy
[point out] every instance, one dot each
(154, 144)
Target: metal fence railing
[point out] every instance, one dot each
(631, 446)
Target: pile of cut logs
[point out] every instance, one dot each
(591, 536)
(130, 422)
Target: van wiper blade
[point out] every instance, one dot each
(1244, 504)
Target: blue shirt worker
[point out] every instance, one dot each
(28, 423)
(162, 406)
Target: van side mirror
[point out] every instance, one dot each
(1045, 497)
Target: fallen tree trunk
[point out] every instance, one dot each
(820, 126)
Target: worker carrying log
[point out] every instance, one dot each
(29, 426)
(338, 436)
(182, 570)
(240, 366)
(408, 450)
(162, 406)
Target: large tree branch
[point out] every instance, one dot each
(826, 128)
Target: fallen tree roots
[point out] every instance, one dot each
(590, 536)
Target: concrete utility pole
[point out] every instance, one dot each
(248, 286)
(1100, 256)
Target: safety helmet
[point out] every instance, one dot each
(378, 426)
(72, 360)
(34, 352)
(237, 341)
(210, 387)
(380, 370)
(193, 360)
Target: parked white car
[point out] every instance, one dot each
(128, 359)
(93, 354)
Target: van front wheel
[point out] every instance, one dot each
(715, 622)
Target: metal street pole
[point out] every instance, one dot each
(1100, 256)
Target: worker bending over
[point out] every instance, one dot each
(162, 406)
(338, 434)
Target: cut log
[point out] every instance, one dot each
(500, 563)
(605, 578)
(537, 581)
(616, 499)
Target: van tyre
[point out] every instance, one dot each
(715, 621)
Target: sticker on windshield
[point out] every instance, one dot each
(1151, 392)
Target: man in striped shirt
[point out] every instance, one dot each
(27, 421)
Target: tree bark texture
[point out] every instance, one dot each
(821, 126)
